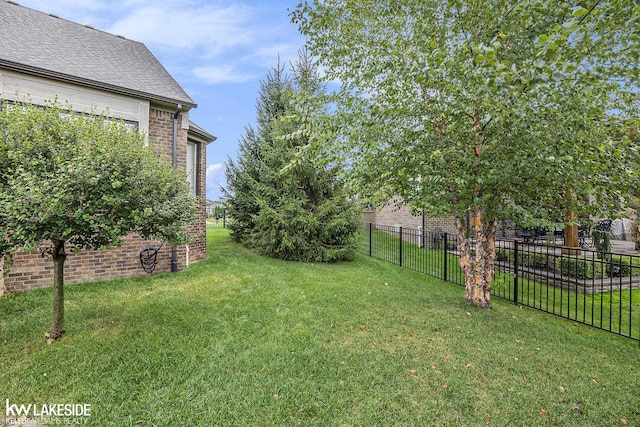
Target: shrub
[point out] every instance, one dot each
(623, 266)
(602, 242)
(581, 268)
(537, 260)
(504, 254)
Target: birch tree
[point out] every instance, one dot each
(484, 110)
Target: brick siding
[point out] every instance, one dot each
(3, 289)
(33, 271)
(393, 215)
(198, 247)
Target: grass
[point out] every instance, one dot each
(612, 309)
(386, 246)
(245, 340)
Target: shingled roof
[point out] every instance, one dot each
(38, 43)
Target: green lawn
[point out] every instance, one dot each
(245, 340)
(385, 246)
(612, 309)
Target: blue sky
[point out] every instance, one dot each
(217, 50)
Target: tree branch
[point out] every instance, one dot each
(589, 12)
(505, 17)
(486, 124)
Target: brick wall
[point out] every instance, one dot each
(369, 217)
(30, 270)
(2, 287)
(392, 214)
(198, 247)
(161, 135)
(33, 271)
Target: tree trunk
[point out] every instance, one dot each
(570, 223)
(57, 325)
(478, 268)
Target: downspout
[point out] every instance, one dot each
(174, 253)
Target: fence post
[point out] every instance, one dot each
(446, 262)
(224, 218)
(400, 247)
(370, 238)
(515, 267)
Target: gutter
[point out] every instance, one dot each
(67, 78)
(174, 254)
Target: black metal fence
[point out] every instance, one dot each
(217, 220)
(599, 289)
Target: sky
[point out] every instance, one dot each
(217, 50)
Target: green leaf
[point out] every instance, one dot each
(542, 40)
(579, 12)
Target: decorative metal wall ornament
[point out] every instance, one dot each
(149, 257)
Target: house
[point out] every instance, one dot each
(216, 208)
(211, 207)
(395, 213)
(43, 57)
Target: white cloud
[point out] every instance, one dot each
(215, 179)
(214, 170)
(210, 41)
(216, 74)
(213, 30)
(268, 55)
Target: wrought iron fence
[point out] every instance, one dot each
(218, 220)
(599, 289)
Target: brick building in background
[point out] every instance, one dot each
(396, 214)
(43, 57)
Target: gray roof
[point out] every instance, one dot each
(198, 131)
(37, 43)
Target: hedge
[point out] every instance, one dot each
(527, 259)
(628, 266)
(581, 268)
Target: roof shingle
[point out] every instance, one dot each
(35, 42)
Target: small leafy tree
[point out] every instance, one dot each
(282, 202)
(73, 182)
(602, 242)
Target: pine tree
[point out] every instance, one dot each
(283, 203)
(242, 176)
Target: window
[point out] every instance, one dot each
(192, 165)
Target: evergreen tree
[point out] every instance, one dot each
(282, 202)
(242, 176)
